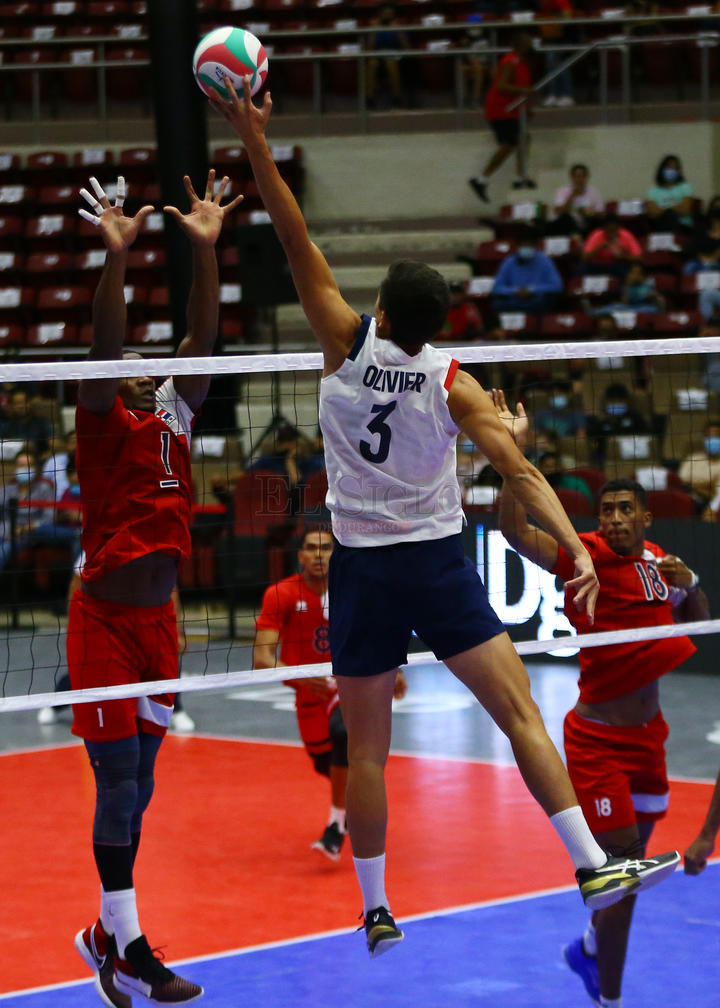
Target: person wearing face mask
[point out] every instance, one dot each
(700, 470)
(618, 418)
(527, 280)
(22, 497)
(559, 416)
(669, 203)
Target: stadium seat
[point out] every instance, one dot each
(675, 322)
(51, 334)
(574, 502)
(126, 83)
(313, 491)
(16, 305)
(490, 254)
(54, 304)
(10, 170)
(518, 325)
(261, 502)
(566, 325)
(50, 233)
(153, 334)
(42, 267)
(138, 165)
(12, 229)
(11, 336)
(53, 199)
(11, 267)
(670, 504)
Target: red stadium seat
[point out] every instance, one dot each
(11, 336)
(490, 254)
(51, 334)
(670, 504)
(54, 304)
(261, 502)
(574, 502)
(12, 228)
(672, 323)
(138, 165)
(153, 334)
(50, 232)
(10, 267)
(313, 491)
(41, 267)
(58, 199)
(518, 325)
(565, 325)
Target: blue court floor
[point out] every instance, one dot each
(492, 955)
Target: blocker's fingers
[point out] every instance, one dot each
(91, 200)
(93, 218)
(120, 191)
(99, 191)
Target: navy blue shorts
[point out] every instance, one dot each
(380, 594)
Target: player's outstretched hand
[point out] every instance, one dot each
(585, 586)
(204, 220)
(118, 231)
(247, 119)
(517, 423)
(697, 854)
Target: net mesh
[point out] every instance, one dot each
(647, 409)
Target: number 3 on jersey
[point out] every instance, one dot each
(166, 484)
(378, 426)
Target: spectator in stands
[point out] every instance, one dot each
(703, 252)
(560, 416)
(21, 424)
(638, 294)
(618, 419)
(512, 80)
(527, 280)
(386, 39)
(62, 449)
(24, 522)
(474, 63)
(287, 451)
(610, 249)
(550, 465)
(463, 322)
(577, 206)
(560, 90)
(669, 203)
(700, 470)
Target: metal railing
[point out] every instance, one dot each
(320, 96)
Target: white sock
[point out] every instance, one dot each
(611, 1002)
(575, 834)
(337, 815)
(121, 908)
(588, 940)
(371, 876)
(104, 913)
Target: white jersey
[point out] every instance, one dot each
(390, 444)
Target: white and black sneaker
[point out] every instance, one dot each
(141, 973)
(381, 931)
(620, 877)
(330, 843)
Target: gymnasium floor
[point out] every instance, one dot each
(229, 885)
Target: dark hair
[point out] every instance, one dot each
(575, 167)
(659, 180)
(314, 529)
(527, 232)
(610, 218)
(416, 300)
(623, 483)
(616, 391)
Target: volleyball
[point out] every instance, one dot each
(229, 52)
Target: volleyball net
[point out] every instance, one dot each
(646, 409)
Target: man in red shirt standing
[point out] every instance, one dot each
(615, 735)
(294, 617)
(133, 464)
(511, 81)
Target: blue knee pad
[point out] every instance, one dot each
(149, 746)
(115, 765)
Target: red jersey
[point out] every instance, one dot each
(134, 473)
(299, 615)
(496, 103)
(633, 594)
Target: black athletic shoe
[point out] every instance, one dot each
(619, 877)
(479, 188)
(141, 973)
(381, 931)
(524, 183)
(330, 843)
(98, 950)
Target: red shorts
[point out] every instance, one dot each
(313, 715)
(109, 644)
(619, 774)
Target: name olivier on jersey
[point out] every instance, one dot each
(381, 380)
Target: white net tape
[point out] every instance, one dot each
(267, 363)
(246, 678)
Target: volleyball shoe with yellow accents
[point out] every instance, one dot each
(620, 877)
(381, 931)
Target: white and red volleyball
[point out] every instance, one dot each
(233, 53)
